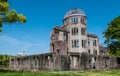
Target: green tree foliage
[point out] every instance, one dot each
(112, 35)
(4, 60)
(8, 15)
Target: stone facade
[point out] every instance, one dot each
(72, 36)
(71, 48)
(71, 61)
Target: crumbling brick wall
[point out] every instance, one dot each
(70, 61)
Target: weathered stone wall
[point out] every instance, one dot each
(118, 61)
(71, 61)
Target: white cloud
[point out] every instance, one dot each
(9, 39)
(13, 41)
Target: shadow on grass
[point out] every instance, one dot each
(4, 71)
(9, 71)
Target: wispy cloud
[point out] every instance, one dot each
(9, 39)
(13, 41)
(12, 45)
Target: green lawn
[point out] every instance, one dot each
(61, 73)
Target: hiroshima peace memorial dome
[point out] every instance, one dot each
(71, 48)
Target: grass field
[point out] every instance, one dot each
(61, 73)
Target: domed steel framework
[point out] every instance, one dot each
(75, 11)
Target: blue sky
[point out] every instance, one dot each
(43, 15)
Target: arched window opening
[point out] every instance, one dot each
(74, 31)
(74, 20)
(53, 47)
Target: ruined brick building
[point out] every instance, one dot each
(72, 36)
(71, 48)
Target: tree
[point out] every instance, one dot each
(4, 60)
(112, 35)
(8, 15)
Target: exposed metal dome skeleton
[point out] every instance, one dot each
(75, 11)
